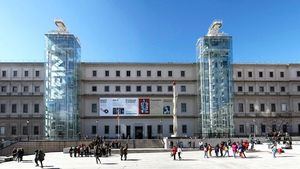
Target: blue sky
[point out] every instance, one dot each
(152, 30)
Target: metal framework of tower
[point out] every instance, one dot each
(61, 84)
(214, 55)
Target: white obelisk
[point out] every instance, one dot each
(175, 96)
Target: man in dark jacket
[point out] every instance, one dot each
(36, 157)
(125, 151)
(121, 152)
(41, 157)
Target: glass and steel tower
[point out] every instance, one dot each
(214, 52)
(61, 84)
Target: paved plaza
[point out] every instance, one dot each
(162, 160)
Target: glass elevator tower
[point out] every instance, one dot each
(61, 84)
(214, 53)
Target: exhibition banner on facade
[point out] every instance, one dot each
(118, 106)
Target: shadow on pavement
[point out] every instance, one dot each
(27, 161)
(132, 159)
(188, 159)
(253, 157)
(109, 163)
(285, 156)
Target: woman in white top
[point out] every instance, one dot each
(179, 151)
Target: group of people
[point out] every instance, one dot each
(222, 149)
(18, 154)
(176, 150)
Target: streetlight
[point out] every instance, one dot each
(27, 122)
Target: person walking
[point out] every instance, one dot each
(14, 154)
(174, 151)
(274, 150)
(36, 157)
(125, 151)
(217, 150)
(179, 151)
(234, 149)
(121, 152)
(41, 157)
(97, 154)
(209, 150)
(226, 150)
(205, 148)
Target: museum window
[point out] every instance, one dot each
(171, 128)
(148, 73)
(117, 88)
(94, 73)
(26, 73)
(170, 73)
(106, 88)
(138, 73)
(271, 74)
(37, 89)
(252, 128)
(281, 74)
(14, 89)
(25, 130)
(282, 89)
(36, 108)
(273, 107)
(2, 108)
(298, 73)
(159, 129)
(117, 129)
(159, 88)
(183, 107)
(2, 130)
(242, 128)
(251, 107)
(183, 88)
(128, 73)
(94, 88)
(262, 107)
(138, 88)
(263, 128)
(298, 88)
(283, 107)
(106, 73)
(241, 107)
(274, 128)
(3, 73)
(239, 74)
(128, 88)
(182, 73)
(37, 73)
(158, 73)
(94, 129)
(250, 88)
(272, 89)
(14, 108)
(3, 88)
(240, 88)
(94, 108)
(15, 73)
(184, 129)
(13, 130)
(118, 73)
(149, 88)
(298, 106)
(106, 129)
(36, 130)
(261, 89)
(260, 74)
(25, 108)
(249, 74)
(170, 88)
(25, 89)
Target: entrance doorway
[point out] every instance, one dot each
(138, 132)
(149, 131)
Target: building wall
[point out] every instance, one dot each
(257, 118)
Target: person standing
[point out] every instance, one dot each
(179, 151)
(71, 151)
(209, 150)
(234, 149)
(217, 150)
(97, 154)
(226, 149)
(41, 157)
(274, 150)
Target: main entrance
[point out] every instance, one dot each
(138, 132)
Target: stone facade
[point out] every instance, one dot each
(262, 99)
